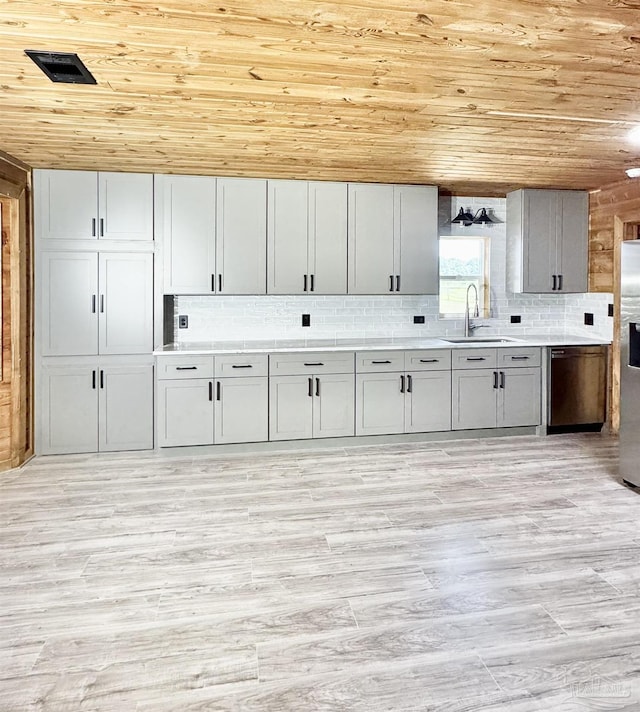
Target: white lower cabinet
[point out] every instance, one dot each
(195, 407)
(392, 399)
(94, 406)
(388, 403)
(488, 395)
(185, 412)
(314, 406)
(241, 410)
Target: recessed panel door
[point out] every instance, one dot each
(333, 406)
(380, 403)
(241, 410)
(290, 407)
(185, 412)
(428, 402)
(125, 204)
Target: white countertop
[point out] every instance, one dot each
(384, 344)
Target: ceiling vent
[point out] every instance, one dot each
(62, 67)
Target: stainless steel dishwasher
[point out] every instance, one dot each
(577, 388)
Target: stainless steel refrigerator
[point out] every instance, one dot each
(630, 362)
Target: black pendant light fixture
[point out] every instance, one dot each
(464, 217)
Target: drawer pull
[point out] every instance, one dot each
(210, 390)
(310, 389)
(429, 360)
(379, 362)
(476, 358)
(519, 358)
(218, 391)
(409, 383)
(501, 379)
(244, 365)
(401, 384)
(317, 386)
(319, 363)
(186, 368)
(495, 379)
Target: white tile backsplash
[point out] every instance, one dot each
(219, 318)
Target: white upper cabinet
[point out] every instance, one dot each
(87, 205)
(371, 242)
(189, 233)
(307, 237)
(126, 303)
(416, 246)
(241, 236)
(214, 234)
(94, 303)
(547, 233)
(393, 239)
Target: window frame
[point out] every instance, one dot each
(483, 279)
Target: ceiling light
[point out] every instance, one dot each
(63, 67)
(634, 135)
(633, 172)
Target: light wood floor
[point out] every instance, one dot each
(499, 574)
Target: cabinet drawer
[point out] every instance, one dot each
(310, 363)
(236, 365)
(432, 360)
(525, 356)
(184, 367)
(379, 361)
(474, 358)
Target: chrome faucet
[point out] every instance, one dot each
(468, 326)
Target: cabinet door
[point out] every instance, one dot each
(66, 204)
(474, 398)
(519, 397)
(371, 242)
(126, 303)
(125, 408)
(241, 235)
(242, 410)
(185, 412)
(328, 238)
(379, 403)
(573, 240)
(287, 237)
(125, 204)
(428, 402)
(539, 230)
(290, 407)
(416, 229)
(69, 303)
(69, 409)
(189, 222)
(333, 406)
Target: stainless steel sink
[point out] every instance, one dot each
(480, 340)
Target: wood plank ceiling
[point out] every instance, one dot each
(476, 97)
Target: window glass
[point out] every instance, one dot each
(463, 261)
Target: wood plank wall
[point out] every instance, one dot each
(614, 213)
(16, 385)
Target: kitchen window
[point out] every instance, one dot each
(463, 261)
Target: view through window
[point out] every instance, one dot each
(463, 261)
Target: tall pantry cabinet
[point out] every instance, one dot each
(94, 311)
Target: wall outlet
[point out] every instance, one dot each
(183, 321)
(418, 319)
(610, 310)
(306, 320)
(516, 319)
(588, 319)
